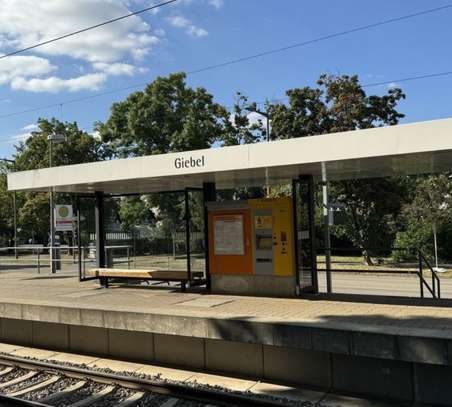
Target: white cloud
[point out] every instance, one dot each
(30, 127)
(55, 84)
(25, 22)
(190, 28)
(216, 3)
(393, 85)
(254, 118)
(115, 69)
(23, 66)
(98, 53)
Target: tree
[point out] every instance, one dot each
(430, 209)
(237, 127)
(168, 116)
(33, 153)
(339, 103)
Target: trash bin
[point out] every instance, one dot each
(109, 258)
(57, 258)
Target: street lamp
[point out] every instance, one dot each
(57, 139)
(13, 162)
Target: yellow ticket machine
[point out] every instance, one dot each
(251, 247)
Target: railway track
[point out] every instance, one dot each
(26, 382)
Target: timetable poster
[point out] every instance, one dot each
(228, 235)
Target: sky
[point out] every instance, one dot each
(193, 34)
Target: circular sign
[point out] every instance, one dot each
(63, 212)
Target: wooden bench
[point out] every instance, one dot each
(105, 274)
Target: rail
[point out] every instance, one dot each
(170, 393)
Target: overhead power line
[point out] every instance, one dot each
(320, 39)
(114, 20)
(255, 56)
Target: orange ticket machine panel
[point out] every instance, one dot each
(230, 246)
(252, 237)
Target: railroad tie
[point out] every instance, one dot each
(19, 379)
(64, 393)
(6, 370)
(130, 401)
(35, 387)
(95, 397)
(170, 403)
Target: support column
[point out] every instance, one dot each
(187, 234)
(100, 229)
(209, 195)
(326, 225)
(311, 212)
(295, 234)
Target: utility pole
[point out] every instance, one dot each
(13, 162)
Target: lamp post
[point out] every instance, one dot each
(53, 138)
(13, 162)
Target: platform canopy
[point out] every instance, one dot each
(418, 148)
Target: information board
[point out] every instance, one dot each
(228, 235)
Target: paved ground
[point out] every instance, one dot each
(405, 285)
(65, 290)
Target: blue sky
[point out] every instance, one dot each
(197, 33)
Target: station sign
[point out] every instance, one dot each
(64, 218)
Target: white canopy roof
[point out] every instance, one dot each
(424, 147)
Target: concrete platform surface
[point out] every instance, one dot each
(21, 293)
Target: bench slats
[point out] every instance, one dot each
(139, 274)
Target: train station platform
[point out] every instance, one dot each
(397, 350)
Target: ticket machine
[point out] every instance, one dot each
(251, 247)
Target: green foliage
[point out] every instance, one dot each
(428, 215)
(339, 103)
(79, 147)
(168, 116)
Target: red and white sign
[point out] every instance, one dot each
(64, 218)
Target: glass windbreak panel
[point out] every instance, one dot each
(305, 244)
(87, 230)
(197, 250)
(147, 232)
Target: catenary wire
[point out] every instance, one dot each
(254, 56)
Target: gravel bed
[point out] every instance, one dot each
(81, 394)
(12, 375)
(118, 396)
(56, 387)
(151, 401)
(40, 377)
(155, 400)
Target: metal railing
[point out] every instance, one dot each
(38, 256)
(435, 288)
(396, 260)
